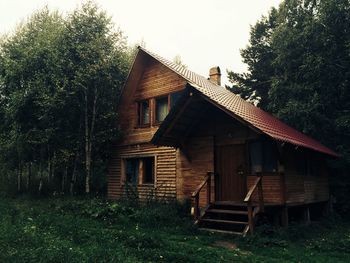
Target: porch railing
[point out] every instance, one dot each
(257, 186)
(195, 195)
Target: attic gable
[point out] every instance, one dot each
(148, 79)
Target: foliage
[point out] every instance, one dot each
(298, 68)
(60, 78)
(89, 230)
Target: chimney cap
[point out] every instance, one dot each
(215, 71)
(215, 75)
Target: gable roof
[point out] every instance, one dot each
(259, 119)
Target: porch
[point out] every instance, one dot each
(264, 192)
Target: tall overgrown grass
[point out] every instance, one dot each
(96, 230)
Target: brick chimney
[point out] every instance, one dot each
(215, 75)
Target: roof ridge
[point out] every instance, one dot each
(173, 66)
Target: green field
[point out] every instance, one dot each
(91, 230)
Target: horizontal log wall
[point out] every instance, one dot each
(150, 79)
(156, 80)
(165, 181)
(303, 188)
(272, 188)
(191, 173)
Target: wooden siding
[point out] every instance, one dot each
(301, 188)
(156, 80)
(191, 173)
(153, 81)
(179, 172)
(272, 188)
(165, 169)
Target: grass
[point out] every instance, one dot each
(91, 230)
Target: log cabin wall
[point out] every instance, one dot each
(273, 189)
(155, 80)
(301, 187)
(193, 166)
(316, 186)
(165, 170)
(213, 127)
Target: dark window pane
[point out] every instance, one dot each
(132, 171)
(255, 149)
(174, 98)
(144, 112)
(161, 108)
(270, 157)
(148, 170)
(301, 164)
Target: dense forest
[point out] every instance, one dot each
(298, 60)
(60, 77)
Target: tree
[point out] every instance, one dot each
(60, 78)
(299, 64)
(97, 64)
(29, 76)
(258, 55)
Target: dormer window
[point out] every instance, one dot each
(144, 113)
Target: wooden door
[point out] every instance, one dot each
(229, 166)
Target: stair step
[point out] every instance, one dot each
(224, 221)
(230, 203)
(221, 231)
(224, 211)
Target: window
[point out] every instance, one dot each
(162, 108)
(174, 97)
(306, 164)
(263, 157)
(144, 113)
(164, 104)
(148, 170)
(139, 170)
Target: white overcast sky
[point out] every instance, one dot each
(204, 33)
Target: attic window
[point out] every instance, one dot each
(144, 113)
(162, 108)
(164, 104)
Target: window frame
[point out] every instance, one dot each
(123, 178)
(140, 113)
(263, 143)
(167, 96)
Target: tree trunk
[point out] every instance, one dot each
(29, 175)
(41, 171)
(49, 165)
(87, 147)
(41, 178)
(74, 175)
(19, 178)
(64, 179)
(89, 136)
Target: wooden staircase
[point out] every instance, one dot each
(226, 217)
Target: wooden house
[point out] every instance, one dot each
(187, 137)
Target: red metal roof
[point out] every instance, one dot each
(246, 111)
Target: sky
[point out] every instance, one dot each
(203, 33)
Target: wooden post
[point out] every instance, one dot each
(250, 218)
(307, 215)
(284, 216)
(196, 207)
(261, 196)
(209, 188)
